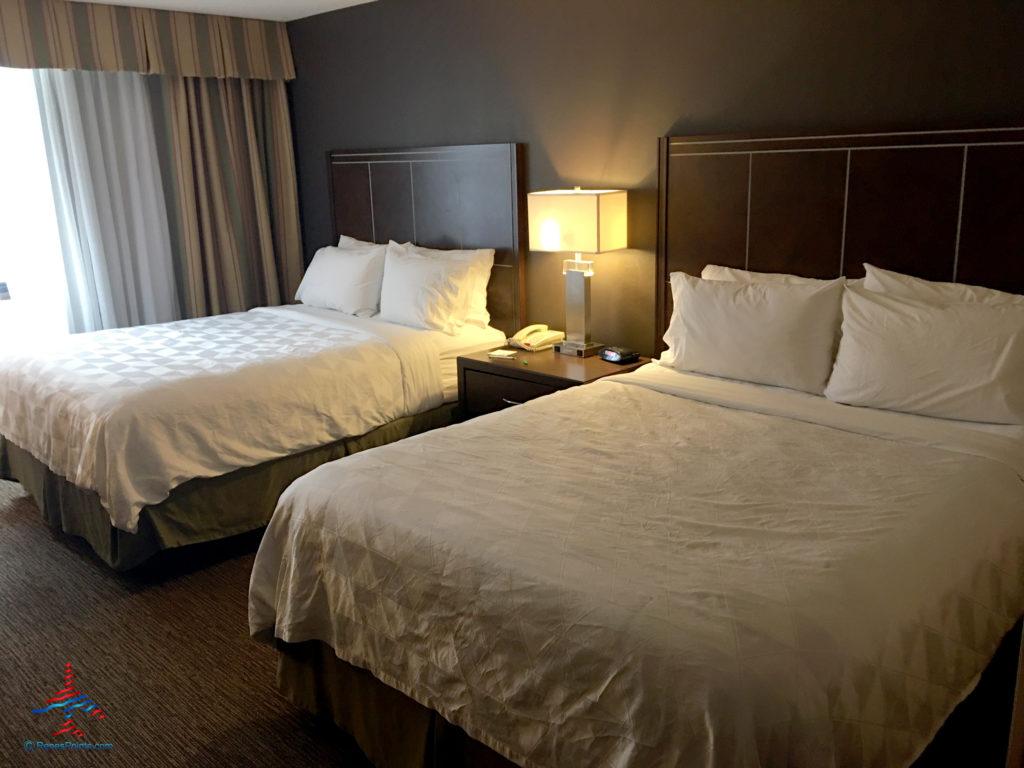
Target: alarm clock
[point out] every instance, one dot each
(619, 355)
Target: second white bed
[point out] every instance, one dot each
(676, 571)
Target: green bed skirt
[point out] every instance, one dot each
(392, 730)
(197, 511)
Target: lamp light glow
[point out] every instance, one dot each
(550, 235)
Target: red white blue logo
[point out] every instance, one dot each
(69, 701)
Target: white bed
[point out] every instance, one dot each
(146, 439)
(132, 413)
(676, 570)
(673, 569)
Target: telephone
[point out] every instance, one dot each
(536, 337)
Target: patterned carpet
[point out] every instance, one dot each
(164, 652)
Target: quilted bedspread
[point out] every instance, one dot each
(616, 576)
(133, 412)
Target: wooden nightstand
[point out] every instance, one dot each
(488, 384)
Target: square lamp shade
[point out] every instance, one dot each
(579, 221)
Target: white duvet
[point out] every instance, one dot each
(619, 576)
(131, 413)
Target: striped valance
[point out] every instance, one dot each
(56, 34)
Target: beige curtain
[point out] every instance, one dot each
(56, 34)
(232, 192)
(223, 131)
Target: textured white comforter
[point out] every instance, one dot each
(131, 413)
(615, 576)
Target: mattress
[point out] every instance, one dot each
(675, 571)
(132, 413)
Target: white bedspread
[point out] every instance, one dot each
(614, 576)
(131, 413)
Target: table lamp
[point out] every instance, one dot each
(581, 221)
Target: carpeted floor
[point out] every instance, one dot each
(165, 652)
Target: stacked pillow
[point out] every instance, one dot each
(893, 283)
(776, 331)
(472, 285)
(346, 278)
(407, 284)
(937, 349)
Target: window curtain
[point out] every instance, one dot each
(220, 115)
(98, 133)
(231, 188)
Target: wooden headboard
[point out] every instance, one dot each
(943, 205)
(470, 196)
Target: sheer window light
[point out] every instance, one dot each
(30, 255)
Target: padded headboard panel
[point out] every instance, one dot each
(943, 205)
(470, 196)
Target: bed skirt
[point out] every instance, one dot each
(394, 731)
(199, 510)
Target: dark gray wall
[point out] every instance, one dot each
(589, 85)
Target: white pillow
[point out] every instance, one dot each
(347, 280)
(951, 360)
(481, 259)
(896, 284)
(769, 333)
(350, 242)
(424, 292)
(734, 275)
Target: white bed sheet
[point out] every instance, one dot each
(689, 584)
(132, 413)
(1002, 442)
(466, 341)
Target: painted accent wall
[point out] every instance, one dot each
(589, 85)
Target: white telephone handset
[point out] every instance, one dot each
(536, 337)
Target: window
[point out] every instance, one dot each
(30, 253)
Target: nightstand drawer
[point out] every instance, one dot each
(486, 392)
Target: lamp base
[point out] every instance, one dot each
(578, 348)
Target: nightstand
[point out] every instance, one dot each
(489, 384)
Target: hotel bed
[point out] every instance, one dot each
(798, 548)
(779, 581)
(148, 438)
